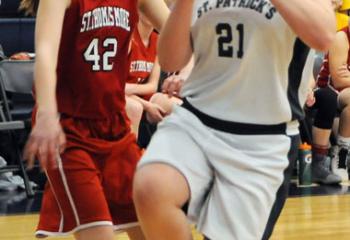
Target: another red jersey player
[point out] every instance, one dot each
(144, 72)
(81, 135)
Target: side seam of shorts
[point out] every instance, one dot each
(282, 192)
(60, 232)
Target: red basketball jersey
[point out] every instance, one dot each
(92, 64)
(141, 57)
(324, 77)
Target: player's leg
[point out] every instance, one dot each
(117, 172)
(160, 191)
(343, 139)
(134, 110)
(135, 233)
(173, 171)
(344, 104)
(72, 184)
(326, 106)
(95, 233)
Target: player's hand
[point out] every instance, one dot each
(45, 141)
(154, 113)
(172, 85)
(310, 100)
(343, 71)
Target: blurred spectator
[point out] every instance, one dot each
(325, 104)
(339, 60)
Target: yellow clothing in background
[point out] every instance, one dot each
(342, 20)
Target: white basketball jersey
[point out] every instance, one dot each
(249, 65)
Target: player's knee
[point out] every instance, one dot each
(137, 108)
(134, 110)
(346, 111)
(147, 187)
(157, 98)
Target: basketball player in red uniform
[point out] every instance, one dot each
(144, 73)
(81, 136)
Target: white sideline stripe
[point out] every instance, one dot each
(58, 203)
(65, 184)
(76, 229)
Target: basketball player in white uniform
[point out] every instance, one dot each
(227, 151)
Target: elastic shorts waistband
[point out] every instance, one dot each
(235, 127)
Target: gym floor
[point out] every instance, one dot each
(311, 212)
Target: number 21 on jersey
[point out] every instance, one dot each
(226, 42)
(93, 55)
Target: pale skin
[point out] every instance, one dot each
(158, 200)
(47, 137)
(338, 57)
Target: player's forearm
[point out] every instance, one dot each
(45, 84)
(140, 89)
(312, 20)
(174, 46)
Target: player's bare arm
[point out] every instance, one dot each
(312, 20)
(176, 34)
(338, 57)
(46, 136)
(156, 12)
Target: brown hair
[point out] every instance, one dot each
(29, 6)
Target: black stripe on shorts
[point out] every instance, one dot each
(235, 127)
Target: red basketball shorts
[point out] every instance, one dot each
(92, 185)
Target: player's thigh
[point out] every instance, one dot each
(160, 182)
(175, 161)
(95, 233)
(249, 171)
(73, 183)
